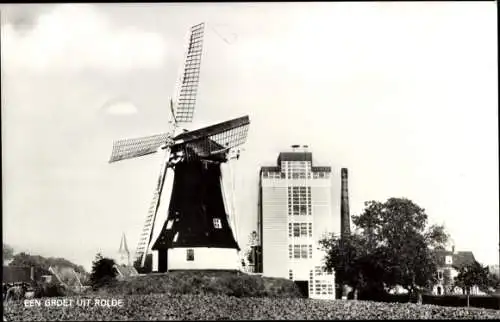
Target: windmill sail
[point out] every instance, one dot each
(133, 148)
(190, 76)
(214, 139)
(147, 231)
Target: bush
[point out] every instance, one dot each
(103, 272)
(52, 289)
(487, 302)
(207, 282)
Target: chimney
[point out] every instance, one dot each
(344, 205)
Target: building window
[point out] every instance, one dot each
(190, 254)
(300, 229)
(300, 251)
(303, 251)
(440, 275)
(299, 200)
(217, 223)
(448, 260)
(296, 252)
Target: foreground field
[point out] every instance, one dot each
(213, 307)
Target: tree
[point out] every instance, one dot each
(103, 271)
(392, 246)
(8, 253)
(472, 275)
(42, 264)
(398, 229)
(251, 254)
(343, 257)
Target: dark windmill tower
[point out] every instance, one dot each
(196, 233)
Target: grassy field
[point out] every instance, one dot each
(217, 296)
(216, 307)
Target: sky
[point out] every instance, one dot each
(402, 94)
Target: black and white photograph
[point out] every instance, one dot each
(250, 161)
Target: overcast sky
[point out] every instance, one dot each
(402, 94)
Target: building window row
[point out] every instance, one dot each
(318, 271)
(290, 274)
(319, 287)
(299, 229)
(273, 175)
(321, 175)
(322, 288)
(299, 201)
(299, 251)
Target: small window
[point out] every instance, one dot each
(296, 251)
(190, 254)
(440, 275)
(169, 224)
(217, 223)
(448, 260)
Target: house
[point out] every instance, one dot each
(16, 275)
(449, 264)
(124, 271)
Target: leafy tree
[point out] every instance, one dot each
(350, 259)
(42, 264)
(398, 230)
(392, 246)
(471, 275)
(8, 253)
(493, 282)
(103, 271)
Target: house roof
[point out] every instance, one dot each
(16, 274)
(126, 271)
(459, 259)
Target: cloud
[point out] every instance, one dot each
(119, 108)
(74, 37)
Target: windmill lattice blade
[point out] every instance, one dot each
(216, 138)
(147, 231)
(132, 148)
(191, 76)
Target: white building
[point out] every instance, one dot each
(295, 210)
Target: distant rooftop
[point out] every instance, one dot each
(295, 155)
(459, 259)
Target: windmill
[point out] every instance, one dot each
(196, 233)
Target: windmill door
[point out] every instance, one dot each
(162, 260)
